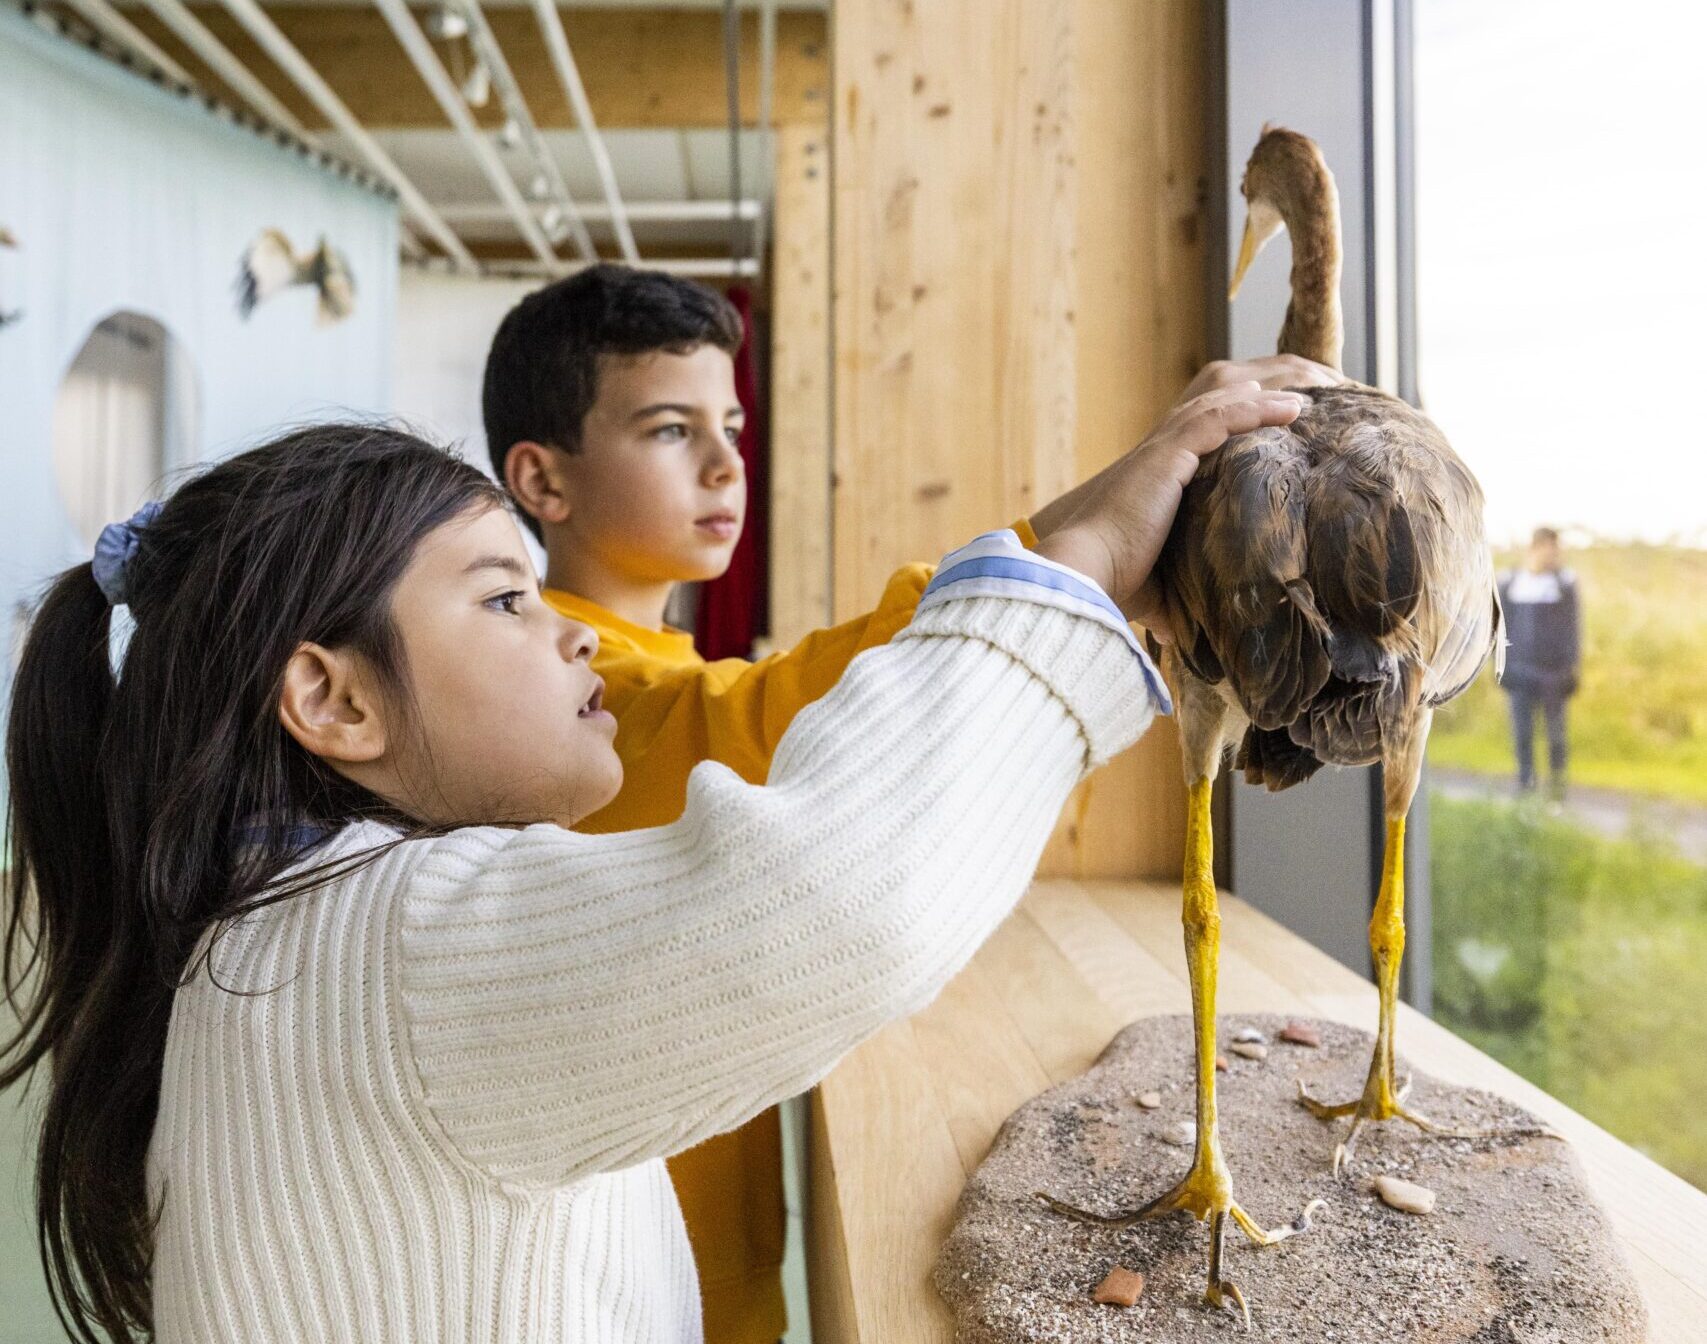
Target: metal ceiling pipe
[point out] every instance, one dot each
(486, 47)
(218, 57)
(431, 69)
(285, 55)
(569, 75)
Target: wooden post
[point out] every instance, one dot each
(800, 386)
(1018, 225)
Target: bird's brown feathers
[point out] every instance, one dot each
(1332, 577)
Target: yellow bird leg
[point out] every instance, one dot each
(1382, 1098)
(1206, 1193)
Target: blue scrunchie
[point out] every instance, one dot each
(115, 548)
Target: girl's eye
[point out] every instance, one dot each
(506, 602)
(672, 432)
(733, 434)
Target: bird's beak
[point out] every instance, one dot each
(1247, 254)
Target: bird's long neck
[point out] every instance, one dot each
(1313, 326)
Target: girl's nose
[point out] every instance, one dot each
(578, 642)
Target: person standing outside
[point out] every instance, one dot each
(1544, 656)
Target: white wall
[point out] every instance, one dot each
(445, 325)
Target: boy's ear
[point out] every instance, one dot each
(535, 480)
(326, 705)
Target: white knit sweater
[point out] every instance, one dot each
(438, 1107)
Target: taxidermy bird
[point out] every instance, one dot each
(270, 266)
(1329, 585)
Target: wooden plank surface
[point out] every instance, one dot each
(800, 387)
(902, 1122)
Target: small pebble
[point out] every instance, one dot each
(1121, 1288)
(1249, 1049)
(1404, 1195)
(1249, 1035)
(1180, 1133)
(1149, 1100)
(1220, 1063)
(1301, 1033)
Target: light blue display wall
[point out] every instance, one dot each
(125, 196)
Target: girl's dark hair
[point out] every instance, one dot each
(542, 372)
(145, 808)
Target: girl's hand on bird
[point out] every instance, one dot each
(1123, 517)
(1271, 371)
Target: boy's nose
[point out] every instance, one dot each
(723, 463)
(579, 642)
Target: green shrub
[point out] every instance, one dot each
(1581, 962)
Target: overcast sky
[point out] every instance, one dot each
(1562, 258)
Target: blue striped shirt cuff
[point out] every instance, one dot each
(996, 565)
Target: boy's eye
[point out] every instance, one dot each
(506, 602)
(673, 431)
(733, 434)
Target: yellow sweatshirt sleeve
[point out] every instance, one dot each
(670, 718)
(732, 711)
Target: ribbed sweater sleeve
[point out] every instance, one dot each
(576, 1003)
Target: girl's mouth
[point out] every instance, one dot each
(595, 701)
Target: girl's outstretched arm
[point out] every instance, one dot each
(579, 1003)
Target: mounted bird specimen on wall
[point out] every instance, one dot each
(8, 240)
(1330, 585)
(270, 265)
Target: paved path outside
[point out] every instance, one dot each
(1605, 811)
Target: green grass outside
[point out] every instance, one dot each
(1639, 723)
(1580, 962)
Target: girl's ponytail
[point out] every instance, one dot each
(60, 901)
(78, 970)
(152, 808)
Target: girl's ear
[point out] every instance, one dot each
(327, 706)
(535, 480)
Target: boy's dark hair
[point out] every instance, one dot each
(542, 373)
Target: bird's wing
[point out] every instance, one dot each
(1398, 555)
(337, 284)
(1234, 571)
(267, 267)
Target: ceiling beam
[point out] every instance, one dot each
(642, 68)
(308, 81)
(449, 98)
(190, 30)
(113, 26)
(491, 54)
(569, 76)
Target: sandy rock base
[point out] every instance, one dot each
(1515, 1251)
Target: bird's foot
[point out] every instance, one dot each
(1206, 1194)
(1382, 1101)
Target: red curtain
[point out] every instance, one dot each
(733, 609)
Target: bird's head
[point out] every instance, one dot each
(1284, 174)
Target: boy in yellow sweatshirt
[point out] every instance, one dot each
(611, 416)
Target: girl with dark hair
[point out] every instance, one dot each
(347, 1035)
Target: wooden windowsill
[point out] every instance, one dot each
(900, 1124)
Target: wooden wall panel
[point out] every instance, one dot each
(800, 524)
(953, 269)
(1018, 223)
